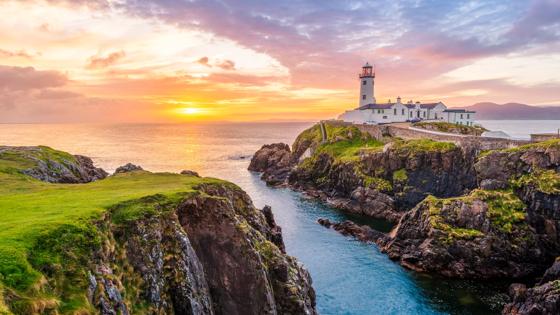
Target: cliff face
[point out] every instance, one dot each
(509, 229)
(481, 235)
(543, 298)
(355, 172)
(167, 244)
(211, 253)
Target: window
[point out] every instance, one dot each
(424, 114)
(394, 111)
(364, 82)
(403, 111)
(410, 114)
(461, 116)
(364, 97)
(468, 116)
(384, 117)
(418, 114)
(435, 115)
(379, 111)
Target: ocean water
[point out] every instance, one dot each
(521, 129)
(350, 277)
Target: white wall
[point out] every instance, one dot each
(460, 118)
(356, 116)
(367, 90)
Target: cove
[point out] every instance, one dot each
(351, 277)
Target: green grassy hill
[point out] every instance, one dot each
(43, 222)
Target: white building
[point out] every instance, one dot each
(371, 112)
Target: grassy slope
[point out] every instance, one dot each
(31, 209)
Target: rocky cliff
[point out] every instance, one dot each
(46, 164)
(460, 212)
(141, 243)
(355, 172)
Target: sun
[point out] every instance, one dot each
(189, 111)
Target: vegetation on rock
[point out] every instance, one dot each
(451, 128)
(545, 181)
(422, 145)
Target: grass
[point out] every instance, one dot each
(46, 224)
(400, 175)
(418, 145)
(377, 183)
(546, 181)
(505, 209)
(451, 128)
(548, 144)
(349, 150)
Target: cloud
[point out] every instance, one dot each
(20, 53)
(204, 61)
(26, 78)
(227, 65)
(97, 62)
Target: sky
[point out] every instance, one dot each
(257, 60)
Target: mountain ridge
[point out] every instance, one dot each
(514, 111)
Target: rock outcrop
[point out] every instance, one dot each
(273, 160)
(348, 228)
(210, 252)
(508, 229)
(54, 166)
(483, 235)
(543, 299)
(128, 167)
(495, 169)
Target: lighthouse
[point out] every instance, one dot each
(367, 77)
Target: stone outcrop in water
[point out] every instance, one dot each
(482, 235)
(348, 228)
(54, 166)
(273, 160)
(542, 299)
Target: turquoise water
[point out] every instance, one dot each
(350, 277)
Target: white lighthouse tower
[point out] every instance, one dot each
(366, 85)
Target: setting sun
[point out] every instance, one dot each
(189, 111)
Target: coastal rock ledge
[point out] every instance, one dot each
(139, 243)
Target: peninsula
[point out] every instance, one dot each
(74, 240)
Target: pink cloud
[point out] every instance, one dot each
(227, 65)
(97, 62)
(26, 78)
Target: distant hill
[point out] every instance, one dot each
(514, 111)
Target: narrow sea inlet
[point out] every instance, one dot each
(350, 277)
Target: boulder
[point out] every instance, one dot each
(348, 228)
(128, 167)
(273, 160)
(189, 173)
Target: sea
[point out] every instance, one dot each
(349, 277)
